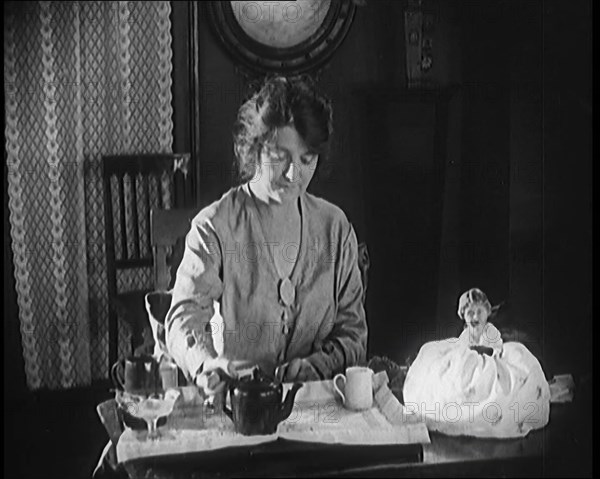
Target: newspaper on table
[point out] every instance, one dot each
(318, 416)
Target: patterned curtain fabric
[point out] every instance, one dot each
(81, 80)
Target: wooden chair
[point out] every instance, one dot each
(168, 229)
(132, 248)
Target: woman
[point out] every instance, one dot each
(281, 262)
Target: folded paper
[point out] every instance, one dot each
(562, 388)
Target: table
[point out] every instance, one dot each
(563, 447)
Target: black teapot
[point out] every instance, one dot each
(256, 403)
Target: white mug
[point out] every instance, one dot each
(357, 393)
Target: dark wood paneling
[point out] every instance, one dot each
(404, 165)
(181, 76)
(484, 185)
(526, 164)
(567, 186)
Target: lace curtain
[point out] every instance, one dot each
(81, 80)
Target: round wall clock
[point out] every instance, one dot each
(288, 38)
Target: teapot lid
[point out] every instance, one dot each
(257, 379)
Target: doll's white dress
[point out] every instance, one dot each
(459, 391)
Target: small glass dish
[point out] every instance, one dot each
(149, 410)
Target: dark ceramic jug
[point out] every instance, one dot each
(136, 375)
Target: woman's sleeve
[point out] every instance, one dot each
(197, 285)
(346, 343)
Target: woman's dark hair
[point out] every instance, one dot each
(281, 102)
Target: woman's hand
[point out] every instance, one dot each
(209, 380)
(297, 369)
(212, 378)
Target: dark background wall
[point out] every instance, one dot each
(511, 137)
(567, 184)
(487, 184)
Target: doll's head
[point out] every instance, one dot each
(474, 309)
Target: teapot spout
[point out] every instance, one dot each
(288, 403)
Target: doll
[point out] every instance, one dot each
(477, 384)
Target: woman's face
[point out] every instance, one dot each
(286, 167)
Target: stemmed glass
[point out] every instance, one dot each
(152, 408)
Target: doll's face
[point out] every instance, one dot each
(476, 316)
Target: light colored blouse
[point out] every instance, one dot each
(226, 260)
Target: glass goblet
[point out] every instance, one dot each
(152, 408)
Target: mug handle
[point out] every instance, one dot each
(336, 387)
(117, 374)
